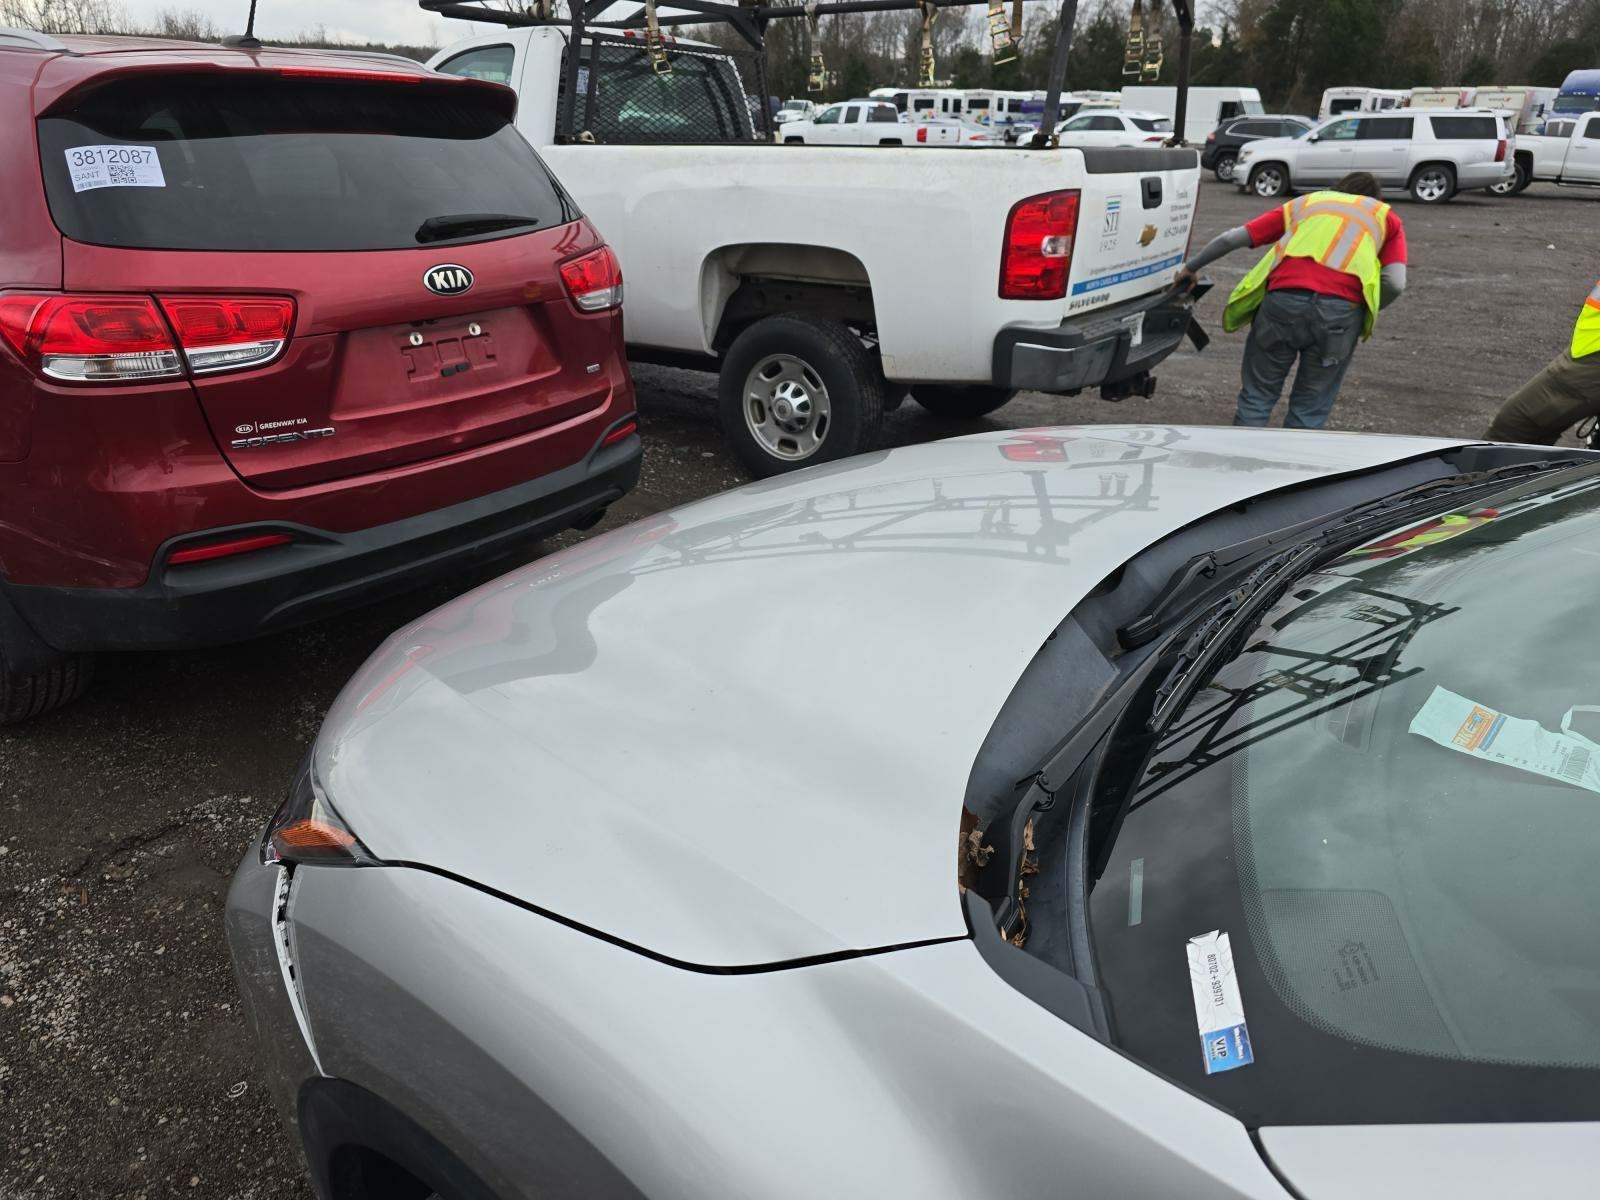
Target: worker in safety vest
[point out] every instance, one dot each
(1561, 395)
(1337, 257)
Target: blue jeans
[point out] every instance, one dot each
(1320, 332)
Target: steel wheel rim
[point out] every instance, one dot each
(1430, 185)
(1268, 182)
(1225, 167)
(1501, 189)
(786, 407)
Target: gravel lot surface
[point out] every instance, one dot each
(125, 1068)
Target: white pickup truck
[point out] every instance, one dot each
(1568, 152)
(825, 283)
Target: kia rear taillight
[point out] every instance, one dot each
(225, 333)
(90, 339)
(126, 339)
(1037, 253)
(594, 281)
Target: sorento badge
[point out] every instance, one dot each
(447, 279)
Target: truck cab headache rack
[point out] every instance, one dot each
(751, 19)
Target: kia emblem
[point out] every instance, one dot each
(447, 279)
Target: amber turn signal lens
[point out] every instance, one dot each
(310, 838)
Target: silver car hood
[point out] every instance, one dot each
(740, 732)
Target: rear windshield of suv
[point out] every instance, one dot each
(1153, 124)
(288, 164)
(1465, 128)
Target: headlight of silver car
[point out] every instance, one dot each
(309, 830)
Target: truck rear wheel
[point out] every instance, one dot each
(960, 403)
(797, 390)
(28, 694)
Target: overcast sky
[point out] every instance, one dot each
(364, 20)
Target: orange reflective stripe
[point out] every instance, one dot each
(1349, 212)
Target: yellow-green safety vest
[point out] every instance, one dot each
(1340, 231)
(1586, 333)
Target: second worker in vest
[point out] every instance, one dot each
(1337, 257)
(1564, 393)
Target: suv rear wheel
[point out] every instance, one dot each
(1433, 183)
(797, 390)
(25, 695)
(1269, 181)
(1223, 167)
(960, 403)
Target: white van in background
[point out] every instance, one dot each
(1442, 97)
(1526, 107)
(1208, 106)
(1339, 100)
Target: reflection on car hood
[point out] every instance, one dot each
(740, 732)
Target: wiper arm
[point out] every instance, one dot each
(1214, 630)
(1149, 624)
(437, 229)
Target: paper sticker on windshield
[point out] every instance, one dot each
(1218, 1007)
(114, 166)
(1471, 728)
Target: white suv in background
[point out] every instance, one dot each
(1432, 154)
(1115, 127)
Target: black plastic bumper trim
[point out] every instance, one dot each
(1093, 349)
(320, 573)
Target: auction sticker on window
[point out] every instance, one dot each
(1468, 727)
(1218, 1007)
(114, 166)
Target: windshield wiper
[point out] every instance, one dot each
(1381, 512)
(451, 225)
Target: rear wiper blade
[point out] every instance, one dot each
(437, 229)
(1148, 624)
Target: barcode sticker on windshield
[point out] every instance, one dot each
(1218, 1006)
(1471, 728)
(114, 166)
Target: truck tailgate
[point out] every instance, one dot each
(1134, 222)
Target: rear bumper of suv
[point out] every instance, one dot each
(320, 572)
(1094, 349)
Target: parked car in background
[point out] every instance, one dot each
(1221, 150)
(509, 935)
(1430, 155)
(851, 123)
(1336, 101)
(1568, 153)
(1115, 127)
(281, 331)
(1026, 270)
(1206, 108)
(794, 110)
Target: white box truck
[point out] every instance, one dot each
(1208, 106)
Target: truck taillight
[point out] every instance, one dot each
(1500, 151)
(126, 339)
(594, 281)
(1037, 252)
(922, 133)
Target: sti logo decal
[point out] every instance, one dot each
(447, 279)
(1113, 216)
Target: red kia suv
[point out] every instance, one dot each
(280, 332)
